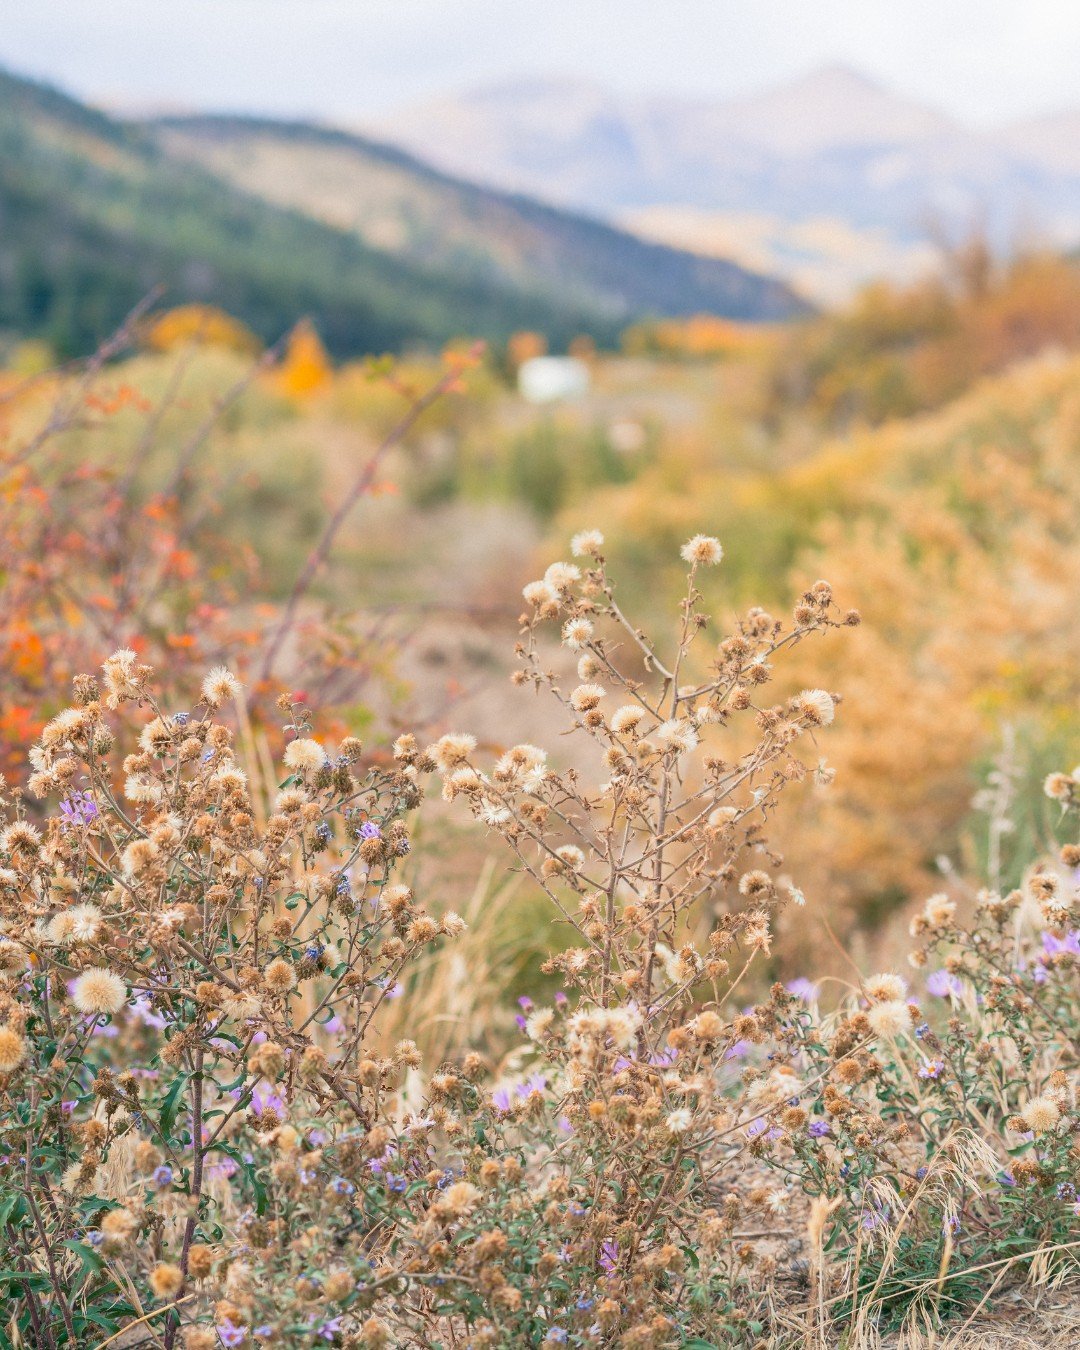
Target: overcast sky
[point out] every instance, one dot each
(986, 61)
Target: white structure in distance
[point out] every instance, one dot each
(553, 379)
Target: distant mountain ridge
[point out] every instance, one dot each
(832, 148)
(95, 212)
(394, 202)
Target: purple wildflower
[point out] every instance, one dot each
(264, 1098)
(803, 988)
(874, 1218)
(140, 1009)
(1055, 946)
(78, 809)
(944, 984)
(609, 1256)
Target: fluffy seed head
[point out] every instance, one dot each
(98, 990)
(12, 1049)
(304, 756)
(85, 922)
(540, 593)
(220, 686)
(890, 1018)
(1041, 1114)
(452, 749)
(703, 551)
(587, 544)
(676, 734)
(576, 633)
(121, 676)
(60, 928)
(885, 988)
(19, 837)
(118, 1225)
(457, 1200)
(586, 697)
(626, 718)
(166, 1280)
(708, 1025)
(560, 575)
(816, 707)
(280, 977)
(139, 857)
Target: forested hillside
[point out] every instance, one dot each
(94, 213)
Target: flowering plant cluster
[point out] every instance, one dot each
(207, 1139)
(189, 975)
(938, 1136)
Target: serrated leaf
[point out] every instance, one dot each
(88, 1258)
(171, 1106)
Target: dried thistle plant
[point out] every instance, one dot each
(204, 1141)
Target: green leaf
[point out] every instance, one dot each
(171, 1105)
(250, 1172)
(87, 1256)
(11, 1208)
(32, 1279)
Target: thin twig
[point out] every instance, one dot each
(362, 485)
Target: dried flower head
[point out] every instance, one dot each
(220, 686)
(1041, 1114)
(12, 1049)
(890, 1018)
(703, 550)
(99, 991)
(587, 544)
(304, 756)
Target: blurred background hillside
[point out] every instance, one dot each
(814, 296)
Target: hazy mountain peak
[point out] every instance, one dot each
(535, 87)
(830, 107)
(829, 164)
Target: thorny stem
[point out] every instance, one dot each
(195, 1192)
